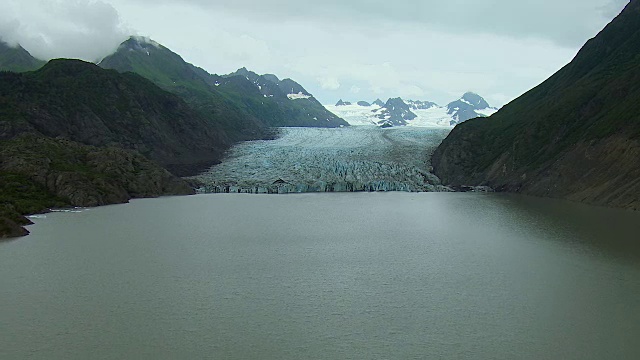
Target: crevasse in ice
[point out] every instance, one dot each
(364, 158)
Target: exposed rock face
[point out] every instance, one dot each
(378, 102)
(243, 104)
(11, 223)
(575, 136)
(279, 103)
(395, 112)
(342, 103)
(418, 113)
(37, 173)
(85, 175)
(466, 108)
(51, 117)
(10, 229)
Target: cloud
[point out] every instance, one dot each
(81, 29)
(329, 83)
(565, 23)
(433, 50)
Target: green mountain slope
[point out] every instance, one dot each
(234, 101)
(79, 101)
(73, 134)
(17, 59)
(278, 102)
(575, 136)
(170, 72)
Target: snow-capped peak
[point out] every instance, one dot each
(397, 111)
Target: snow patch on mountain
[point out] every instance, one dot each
(416, 113)
(297, 96)
(355, 114)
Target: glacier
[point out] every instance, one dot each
(399, 112)
(357, 158)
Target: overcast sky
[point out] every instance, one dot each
(352, 49)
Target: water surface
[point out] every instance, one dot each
(325, 276)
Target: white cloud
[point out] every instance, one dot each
(566, 22)
(82, 29)
(329, 83)
(435, 50)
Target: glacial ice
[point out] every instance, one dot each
(362, 158)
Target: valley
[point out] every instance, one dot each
(357, 158)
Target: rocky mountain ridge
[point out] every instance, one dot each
(244, 103)
(400, 112)
(75, 134)
(295, 106)
(575, 136)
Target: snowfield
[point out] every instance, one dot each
(361, 158)
(357, 115)
(434, 116)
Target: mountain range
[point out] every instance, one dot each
(399, 112)
(77, 134)
(244, 102)
(74, 133)
(575, 136)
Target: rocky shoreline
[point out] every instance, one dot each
(39, 173)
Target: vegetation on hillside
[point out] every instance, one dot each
(38, 173)
(79, 101)
(589, 106)
(235, 101)
(17, 59)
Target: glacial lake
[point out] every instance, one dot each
(325, 276)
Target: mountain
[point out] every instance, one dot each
(575, 136)
(400, 112)
(73, 134)
(420, 105)
(469, 106)
(198, 88)
(245, 104)
(378, 102)
(395, 112)
(282, 102)
(81, 102)
(17, 59)
(38, 173)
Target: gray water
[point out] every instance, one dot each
(325, 276)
